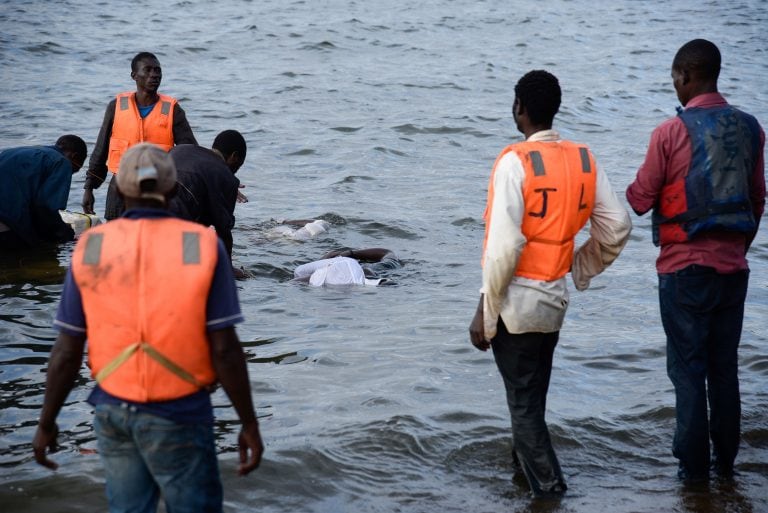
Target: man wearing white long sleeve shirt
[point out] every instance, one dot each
(541, 193)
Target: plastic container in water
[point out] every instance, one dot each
(79, 221)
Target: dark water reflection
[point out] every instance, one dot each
(384, 118)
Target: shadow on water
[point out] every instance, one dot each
(38, 266)
(718, 496)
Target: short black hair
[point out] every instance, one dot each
(140, 57)
(538, 91)
(699, 57)
(228, 142)
(73, 144)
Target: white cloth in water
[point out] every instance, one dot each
(79, 221)
(311, 230)
(306, 232)
(334, 271)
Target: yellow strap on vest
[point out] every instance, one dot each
(117, 362)
(152, 353)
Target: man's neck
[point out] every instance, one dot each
(146, 98)
(531, 129)
(219, 153)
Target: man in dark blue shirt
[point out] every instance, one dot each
(34, 186)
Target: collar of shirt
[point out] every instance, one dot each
(146, 213)
(706, 100)
(545, 136)
(54, 147)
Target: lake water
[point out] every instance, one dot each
(385, 118)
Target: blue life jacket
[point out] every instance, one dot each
(714, 195)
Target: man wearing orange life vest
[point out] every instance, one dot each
(131, 118)
(155, 297)
(541, 193)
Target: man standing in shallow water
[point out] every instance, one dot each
(541, 193)
(131, 118)
(155, 297)
(703, 176)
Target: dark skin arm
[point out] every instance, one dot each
(366, 255)
(229, 363)
(97, 167)
(298, 222)
(477, 329)
(63, 369)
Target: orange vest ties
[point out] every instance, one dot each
(128, 127)
(559, 195)
(144, 284)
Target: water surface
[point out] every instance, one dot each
(385, 118)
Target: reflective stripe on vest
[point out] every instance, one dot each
(144, 285)
(128, 127)
(559, 192)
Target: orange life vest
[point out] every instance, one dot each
(129, 128)
(144, 285)
(559, 195)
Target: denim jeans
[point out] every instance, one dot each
(525, 363)
(146, 456)
(702, 313)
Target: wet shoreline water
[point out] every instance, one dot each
(386, 117)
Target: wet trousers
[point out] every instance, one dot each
(525, 363)
(146, 456)
(114, 206)
(702, 313)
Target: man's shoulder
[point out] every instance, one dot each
(667, 127)
(119, 225)
(194, 159)
(189, 149)
(31, 152)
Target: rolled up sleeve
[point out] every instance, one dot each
(610, 226)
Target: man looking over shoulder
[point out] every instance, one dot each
(207, 186)
(541, 193)
(131, 118)
(703, 176)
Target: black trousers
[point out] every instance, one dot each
(114, 206)
(525, 363)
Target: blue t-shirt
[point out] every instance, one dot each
(223, 311)
(144, 111)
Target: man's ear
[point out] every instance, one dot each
(686, 76)
(520, 108)
(71, 156)
(233, 158)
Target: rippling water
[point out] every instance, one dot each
(384, 118)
